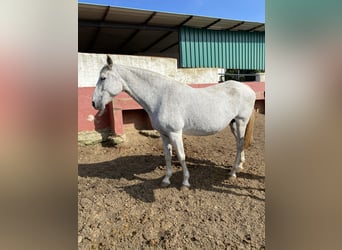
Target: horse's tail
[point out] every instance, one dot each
(248, 140)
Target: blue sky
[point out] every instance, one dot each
(244, 10)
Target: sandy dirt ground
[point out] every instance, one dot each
(121, 204)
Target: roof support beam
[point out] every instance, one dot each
(150, 17)
(169, 47)
(236, 25)
(256, 27)
(92, 44)
(113, 25)
(185, 21)
(215, 22)
(157, 41)
(136, 31)
(167, 34)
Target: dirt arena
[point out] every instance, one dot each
(121, 204)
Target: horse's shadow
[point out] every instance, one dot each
(204, 175)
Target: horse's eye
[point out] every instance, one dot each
(103, 78)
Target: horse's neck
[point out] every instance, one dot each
(142, 86)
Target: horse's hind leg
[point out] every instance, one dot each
(177, 141)
(238, 128)
(168, 154)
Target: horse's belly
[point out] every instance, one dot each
(205, 127)
(207, 120)
(198, 132)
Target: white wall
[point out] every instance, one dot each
(197, 75)
(89, 66)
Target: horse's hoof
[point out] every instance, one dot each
(232, 176)
(239, 168)
(164, 184)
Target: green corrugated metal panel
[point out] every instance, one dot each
(224, 49)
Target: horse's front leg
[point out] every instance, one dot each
(168, 154)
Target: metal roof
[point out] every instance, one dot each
(106, 29)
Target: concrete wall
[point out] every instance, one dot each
(198, 75)
(260, 77)
(89, 66)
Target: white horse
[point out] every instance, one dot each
(175, 108)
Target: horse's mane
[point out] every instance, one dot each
(153, 74)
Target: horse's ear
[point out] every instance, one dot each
(109, 61)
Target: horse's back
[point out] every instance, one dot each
(240, 92)
(233, 88)
(239, 98)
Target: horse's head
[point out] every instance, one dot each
(109, 85)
